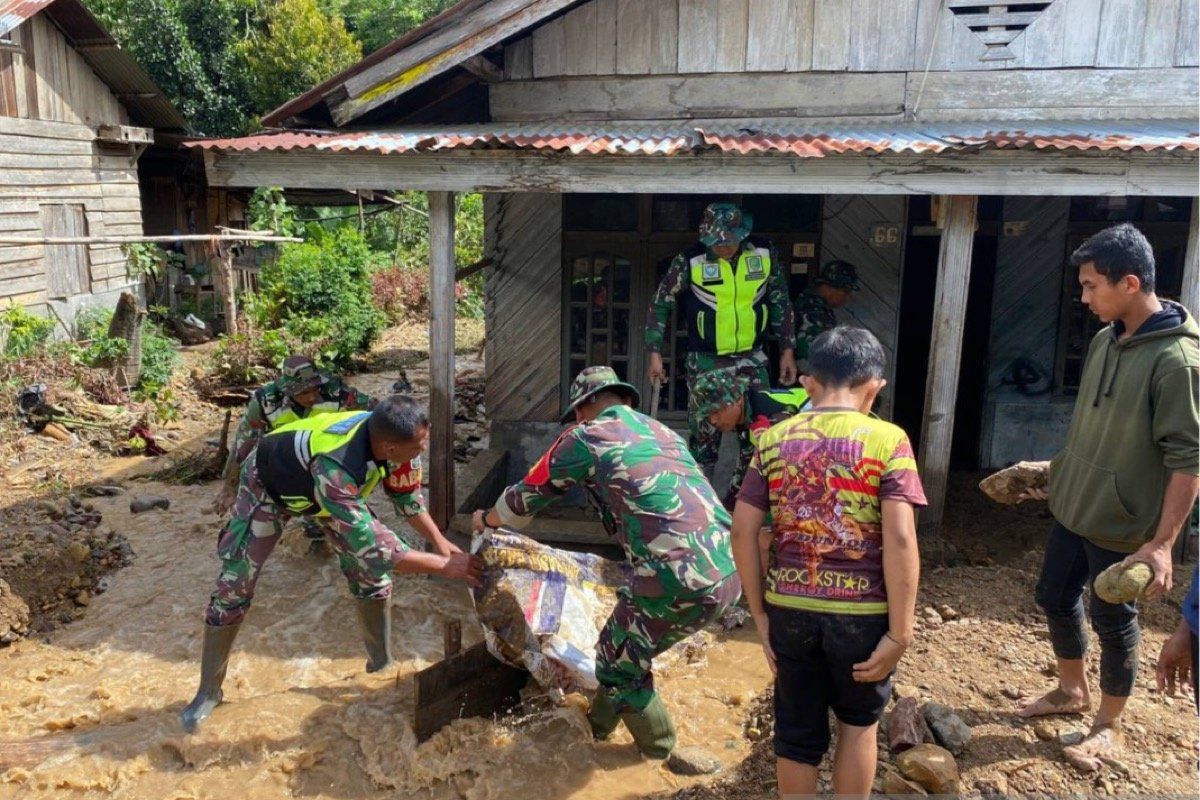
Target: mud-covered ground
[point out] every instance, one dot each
(107, 655)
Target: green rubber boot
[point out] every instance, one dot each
(603, 716)
(218, 642)
(376, 623)
(652, 729)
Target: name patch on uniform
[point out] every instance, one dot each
(711, 271)
(754, 267)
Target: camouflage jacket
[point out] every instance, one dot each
(339, 495)
(763, 408)
(270, 407)
(813, 317)
(654, 498)
(678, 279)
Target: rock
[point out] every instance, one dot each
(1008, 485)
(992, 787)
(948, 728)
(896, 784)
(79, 552)
(1045, 731)
(905, 726)
(931, 617)
(52, 510)
(1070, 737)
(83, 598)
(146, 502)
(1012, 693)
(735, 617)
(693, 761)
(754, 734)
(931, 766)
(103, 491)
(947, 613)
(1123, 583)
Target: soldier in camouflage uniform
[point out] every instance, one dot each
(832, 288)
(725, 399)
(734, 290)
(673, 529)
(326, 466)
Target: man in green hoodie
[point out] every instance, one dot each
(1124, 484)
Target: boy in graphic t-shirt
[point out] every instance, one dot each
(837, 611)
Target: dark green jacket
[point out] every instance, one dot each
(1135, 422)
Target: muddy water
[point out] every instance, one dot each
(91, 710)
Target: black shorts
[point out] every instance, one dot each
(816, 654)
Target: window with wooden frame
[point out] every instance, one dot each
(68, 266)
(1163, 220)
(616, 249)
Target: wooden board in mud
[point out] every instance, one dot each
(467, 684)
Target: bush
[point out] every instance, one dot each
(403, 294)
(25, 332)
(319, 292)
(160, 353)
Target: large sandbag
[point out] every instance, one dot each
(542, 608)
(1008, 485)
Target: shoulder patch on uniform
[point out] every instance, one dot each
(348, 424)
(539, 473)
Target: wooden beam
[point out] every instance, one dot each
(441, 357)
(1190, 295)
(1005, 172)
(467, 684)
(483, 68)
(945, 352)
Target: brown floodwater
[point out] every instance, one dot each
(91, 710)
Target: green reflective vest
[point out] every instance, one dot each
(284, 458)
(727, 306)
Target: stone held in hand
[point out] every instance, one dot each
(948, 728)
(146, 502)
(1123, 583)
(905, 726)
(693, 761)
(1010, 484)
(931, 766)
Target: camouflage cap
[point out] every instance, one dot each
(594, 379)
(714, 390)
(299, 374)
(839, 275)
(724, 223)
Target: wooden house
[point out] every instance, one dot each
(954, 150)
(76, 113)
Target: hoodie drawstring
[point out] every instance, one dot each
(1103, 369)
(1113, 380)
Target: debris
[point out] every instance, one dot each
(79, 552)
(734, 617)
(83, 598)
(103, 491)
(1123, 583)
(1008, 486)
(948, 728)
(992, 787)
(56, 431)
(140, 441)
(466, 684)
(906, 727)
(14, 615)
(146, 502)
(693, 761)
(931, 766)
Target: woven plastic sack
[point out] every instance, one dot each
(542, 609)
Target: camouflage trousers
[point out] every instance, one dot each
(244, 544)
(642, 627)
(704, 440)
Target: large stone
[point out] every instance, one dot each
(897, 785)
(906, 727)
(1008, 486)
(693, 761)
(931, 766)
(1123, 583)
(146, 502)
(948, 728)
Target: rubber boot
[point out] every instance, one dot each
(652, 729)
(603, 716)
(377, 632)
(218, 642)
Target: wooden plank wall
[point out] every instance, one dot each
(647, 37)
(55, 159)
(523, 237)
(1026, 298)
(846, 234)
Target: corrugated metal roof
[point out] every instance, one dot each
(803, 141)
(118, 69)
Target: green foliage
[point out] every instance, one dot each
(160, 353)
(377, 22)
(25, 332)
(320, 293)
(298, 47)
(268, 210)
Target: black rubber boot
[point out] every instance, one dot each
(652, 729)
(603, 716)
(218, 642)
(376, 623)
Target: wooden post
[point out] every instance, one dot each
(945, 352)
(441, 357)
(1190, 296)
(228, 288)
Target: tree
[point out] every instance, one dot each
(377, 22)
(299, 47)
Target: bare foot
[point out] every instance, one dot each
(1100, 746)
(1055, 701)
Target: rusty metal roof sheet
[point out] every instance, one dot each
(118, 69)
(745, 139)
